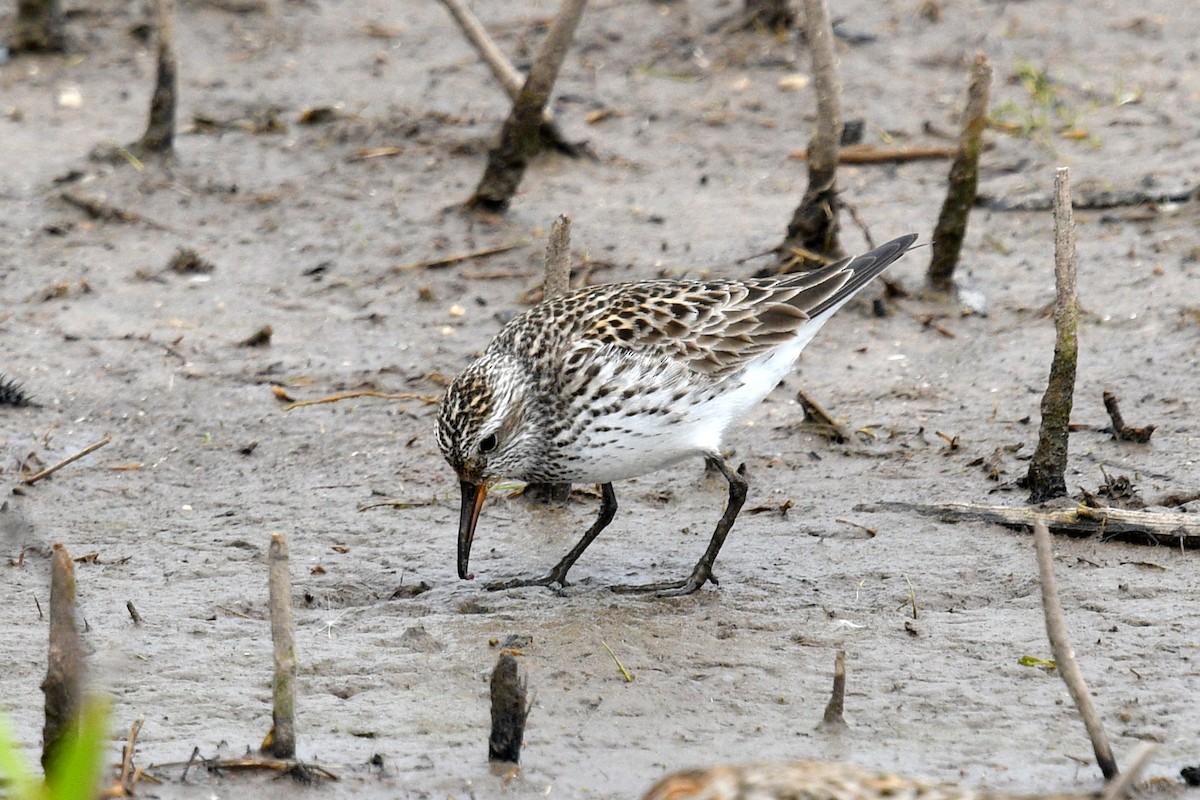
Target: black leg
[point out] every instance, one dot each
(703, 571)
(558, 575)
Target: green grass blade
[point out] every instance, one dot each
(20, 783)
(75, 773)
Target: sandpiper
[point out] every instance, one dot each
(818, 780)
(619, 380)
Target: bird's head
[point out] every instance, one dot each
(486, 432)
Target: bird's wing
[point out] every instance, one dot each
(714, 328)
(717, 327)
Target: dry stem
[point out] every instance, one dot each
(509, 710)
(519, 136)
(128, 775)
(964, 180)
(502, 69)
(1046, 477)
(446, 261)
(833, 718)
(558, 259)
(1154, 528)
(160, 129)
(1064, 655)
(873, 154)
(428, 399)
(63, 685)
(48, 471)
(557, 282)
(1121, 429)
(283, 630)
(814, 224)
(821, 419)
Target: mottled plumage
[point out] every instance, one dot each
(818, 780)
(619, 380)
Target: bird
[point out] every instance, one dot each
(619, 380)
(820, 780)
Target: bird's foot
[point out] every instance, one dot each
(550, 580)
(678, 588)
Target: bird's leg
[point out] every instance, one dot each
(558, 575)
(703, 571)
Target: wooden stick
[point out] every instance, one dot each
(558, 259)
(557, 282)
(814, 225)
(48, 471)
(874, 154)
(1064, 654)
(833, 719)
(283, 632)
(159, 137)
(63, 685)
(1047, 468)
(503, 70)
(1121, 429)
(821, 419)
(127, 771)
(519, 134)
(1155, 528)
(951, 227)
(492, 55)
(509, 710)
(458, 258)
(281, 765)
(428, 399)
(1123, 783)
(1091, 201)
(97, 207)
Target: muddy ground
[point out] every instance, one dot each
(692, 132)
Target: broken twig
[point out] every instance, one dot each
(519, 136)
(558, 259)
(1064, 654)
(1122, 430)
(1091, 201)
(1047, 469)
(48, 471)
(509, 710)
(98, 208)
(283, 633)
(63, 685)
(820, 419)
(427, 399)
(814, 225)
(159, 137)
(1154, 528)
(833, 719)
(951, 227)
(874, 154)
(128, 776)
(458, 258)
(557, 281)
(503, 70)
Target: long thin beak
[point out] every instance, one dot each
(472, 500)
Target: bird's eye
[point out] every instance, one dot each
(488, 443)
